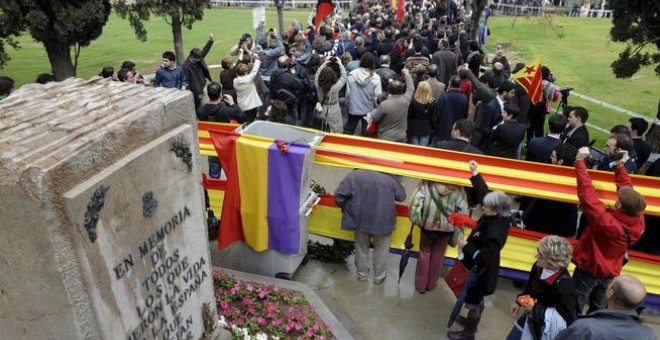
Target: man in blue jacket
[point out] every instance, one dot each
(169, 74)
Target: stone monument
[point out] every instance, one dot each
(103, 227)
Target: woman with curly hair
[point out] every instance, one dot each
(421, 114)
(549, 299)
(328, 85)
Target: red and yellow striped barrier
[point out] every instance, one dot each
(512, 176)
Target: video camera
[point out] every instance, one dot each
(565, 90)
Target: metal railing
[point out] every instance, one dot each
(271, 3)
(517, 9)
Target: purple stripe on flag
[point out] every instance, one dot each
(284, 176)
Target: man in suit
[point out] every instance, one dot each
(461, 134)
(508, 134)
(493, 114)
(437, 87)
(539, 149)
(576, 133)
(553, 217)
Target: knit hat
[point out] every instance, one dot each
(632, 202)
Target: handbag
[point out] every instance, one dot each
(372, 129)
(456, 278)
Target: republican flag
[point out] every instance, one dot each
(263, 192)
(323, 9)
(530, 78)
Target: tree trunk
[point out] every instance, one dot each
(478, 7)
(59, 55)
(178, 39)
(279, 4)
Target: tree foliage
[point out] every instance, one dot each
(177, 13)
(58, 24)
(636, 22)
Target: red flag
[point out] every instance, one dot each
(399, 11)
(530, 78)
(231, 225)
(323, 9)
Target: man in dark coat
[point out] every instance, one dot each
(446, 60)
(384, 71)
(197, 72)
(576, 133)
(367, 200)
(452, 106)
(539, 149)
(492, 115)
(553, 217)
(508, 134)
(286, 86)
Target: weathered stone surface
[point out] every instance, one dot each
(61, 143)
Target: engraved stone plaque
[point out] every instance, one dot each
(150, 275)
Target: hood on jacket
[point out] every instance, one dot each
(363, 76)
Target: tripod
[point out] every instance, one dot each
(565, 92)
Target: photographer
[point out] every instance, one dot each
(286, 86)
(222, 109)
(614, 148)
(599, 254)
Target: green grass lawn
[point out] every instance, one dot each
(579, 58)
(118, 43)
(579, 53)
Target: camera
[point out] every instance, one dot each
(565, 90)
(617, 156)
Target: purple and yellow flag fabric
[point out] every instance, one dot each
(263, 212)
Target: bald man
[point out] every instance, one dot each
(620, 320)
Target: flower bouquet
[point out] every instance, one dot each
(252, 310)
(459, 221)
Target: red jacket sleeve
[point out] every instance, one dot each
(621, 177)
(591, 206)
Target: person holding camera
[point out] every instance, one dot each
(328, 84)
(601, 249)
(616, 145)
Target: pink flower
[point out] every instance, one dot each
(309, 333)
(261, 321)
(297, 326)
(224, 305)
(270, 310)
(246, 301)
(276, 323)
(249, 287)
(263, 293)
(312, 309)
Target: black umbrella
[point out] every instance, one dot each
(469, 282)
(406, 253)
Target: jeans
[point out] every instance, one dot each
(214, 167)
(352, 122)
(590, 289)
(419, 140)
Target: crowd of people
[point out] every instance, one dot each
(425, 80)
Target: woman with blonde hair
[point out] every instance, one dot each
(246, 90)
(421, 114)
(549, 299)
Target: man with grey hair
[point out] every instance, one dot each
(384, 71)
(620, 320)
(446, 60)
(437, 87)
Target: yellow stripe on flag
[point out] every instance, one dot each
(252, 159)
